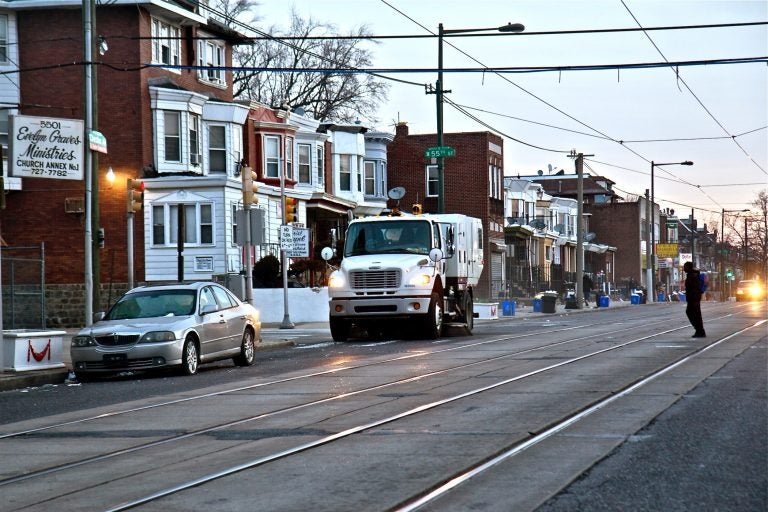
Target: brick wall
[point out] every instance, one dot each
(618, 225)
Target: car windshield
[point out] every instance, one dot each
(412, 237)
(151, 304)
(746, 284)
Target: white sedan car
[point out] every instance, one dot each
(180, 325)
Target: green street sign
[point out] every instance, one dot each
(438, 151)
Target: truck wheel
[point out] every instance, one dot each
(469, 314)
(339, 328)
(433, 320)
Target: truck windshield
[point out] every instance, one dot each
(412, 237)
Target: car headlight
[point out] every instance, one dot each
(421, 280)
(83, 341)
(157, 336)
(335, 281)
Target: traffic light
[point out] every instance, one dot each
(135, 195)
(291, 209)
(729, 275)
(250, 186)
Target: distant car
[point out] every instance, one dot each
(180, 326)
(750, 290)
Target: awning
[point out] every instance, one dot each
(323, 201)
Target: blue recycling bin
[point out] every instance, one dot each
(508, 307)
(661, 297)
(681, 296)
(537, 305)
(634, 299)
(604, 301)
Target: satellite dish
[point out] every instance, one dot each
(559, 228)
(590, 236)
(299, 111)
(396, 193)
(540, 172)
(537, 224)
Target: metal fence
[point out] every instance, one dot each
(23, 287)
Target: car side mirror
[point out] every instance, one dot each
(99, 316)
(207, 309)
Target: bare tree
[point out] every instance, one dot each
(340, 94)
(758, 235)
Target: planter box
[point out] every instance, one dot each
(25, 350)
(487, 310)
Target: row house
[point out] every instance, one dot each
(164, 103)
(541, 234)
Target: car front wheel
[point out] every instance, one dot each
(247, 350)
(190, 359)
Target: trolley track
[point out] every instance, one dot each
(350, 431)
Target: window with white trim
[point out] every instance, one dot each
(432, 181)
(289, 158)
(345, 173)
(383, 180)
(272, 156)
(370, 178)
(217, 149)
(234, 224)
(359, 174)
(194, 139)
(172, 139)
(305, 163)
(320, 164)
(210, 56)
(198, 224)
(3, 38)
(166, 43)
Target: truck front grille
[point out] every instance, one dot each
(374, 279)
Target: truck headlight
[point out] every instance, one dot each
(421, 280)
(335, 281)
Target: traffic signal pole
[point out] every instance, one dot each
(286, 323)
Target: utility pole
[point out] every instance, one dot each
(579, 160)
(88, 99)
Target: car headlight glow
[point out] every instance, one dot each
(335, 281)
(83, 341)
(157, 336)
(421, 280)
(754, 291)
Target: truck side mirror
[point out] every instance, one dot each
(326, 253)
(436, 254)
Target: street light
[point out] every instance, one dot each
(722, 248)
(509, 28)
(651, 269)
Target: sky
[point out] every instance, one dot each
(590, 112)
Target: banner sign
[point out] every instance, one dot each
(45, 147)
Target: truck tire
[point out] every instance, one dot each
(469, 314)
(433, 320)
(339, 328)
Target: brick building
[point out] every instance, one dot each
(154, 112)
(473, 183)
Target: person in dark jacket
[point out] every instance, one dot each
(693, 300)
(586, 281)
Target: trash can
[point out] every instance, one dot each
(508, 307)
(548, 303)
(634, 299)
(537, 305)
(681, 296)
(604, 301)
(661, 297)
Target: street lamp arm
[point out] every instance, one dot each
(508, 28)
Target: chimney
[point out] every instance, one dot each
(401, 129)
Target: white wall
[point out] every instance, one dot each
(304, 304)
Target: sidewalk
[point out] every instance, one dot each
(272, 336)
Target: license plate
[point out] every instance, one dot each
(115, 358)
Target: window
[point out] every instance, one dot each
(289, 158)
(198, 224)
(217, 149)
(320, 164)
(432, 181)
(172, 136)
(3, 38)
(305, 165)
(359, 174)
(210, 55)
(383, 180)
(370, 178)
(166, 43)
(272, 156)
(345, 173)
(234, 223)
(194, 139)
(4, 130)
